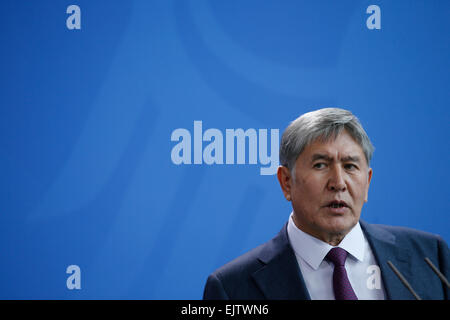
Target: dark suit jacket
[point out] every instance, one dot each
(271, 271)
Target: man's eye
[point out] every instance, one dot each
(319, 165)
(350, 166)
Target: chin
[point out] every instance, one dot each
(340, 224)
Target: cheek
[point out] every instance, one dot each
(308, 188)
(359, 190)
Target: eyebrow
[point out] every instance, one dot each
(351, 159)
(319, 156)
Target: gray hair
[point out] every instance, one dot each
(322, 124)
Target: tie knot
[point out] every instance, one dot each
(337, 256)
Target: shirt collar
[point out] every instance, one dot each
(313, 250)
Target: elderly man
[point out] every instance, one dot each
(325, 251)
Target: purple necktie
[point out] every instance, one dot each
(341, 285)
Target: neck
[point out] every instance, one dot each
(332, 239)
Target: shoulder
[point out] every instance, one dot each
(242, 266)
(406, 237)
(234, 280)
(254, 259)
(402, 232)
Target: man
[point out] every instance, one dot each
(325, 251)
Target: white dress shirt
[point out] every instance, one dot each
(362, 268)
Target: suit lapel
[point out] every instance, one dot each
(384, 247)
(280, 277)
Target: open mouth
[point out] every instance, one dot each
(337, 204)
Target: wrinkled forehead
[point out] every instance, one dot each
(336, 145)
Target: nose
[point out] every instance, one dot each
(336, 180)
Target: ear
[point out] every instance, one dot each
(369, 178)
(285, 180)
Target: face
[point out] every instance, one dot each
(330, 187)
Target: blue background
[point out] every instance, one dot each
(86, 118)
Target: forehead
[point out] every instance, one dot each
(342, 145)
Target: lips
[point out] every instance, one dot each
(337, 204)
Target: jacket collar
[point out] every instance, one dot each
(280, 276)
(386, 248)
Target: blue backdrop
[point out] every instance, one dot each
(87, 115)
